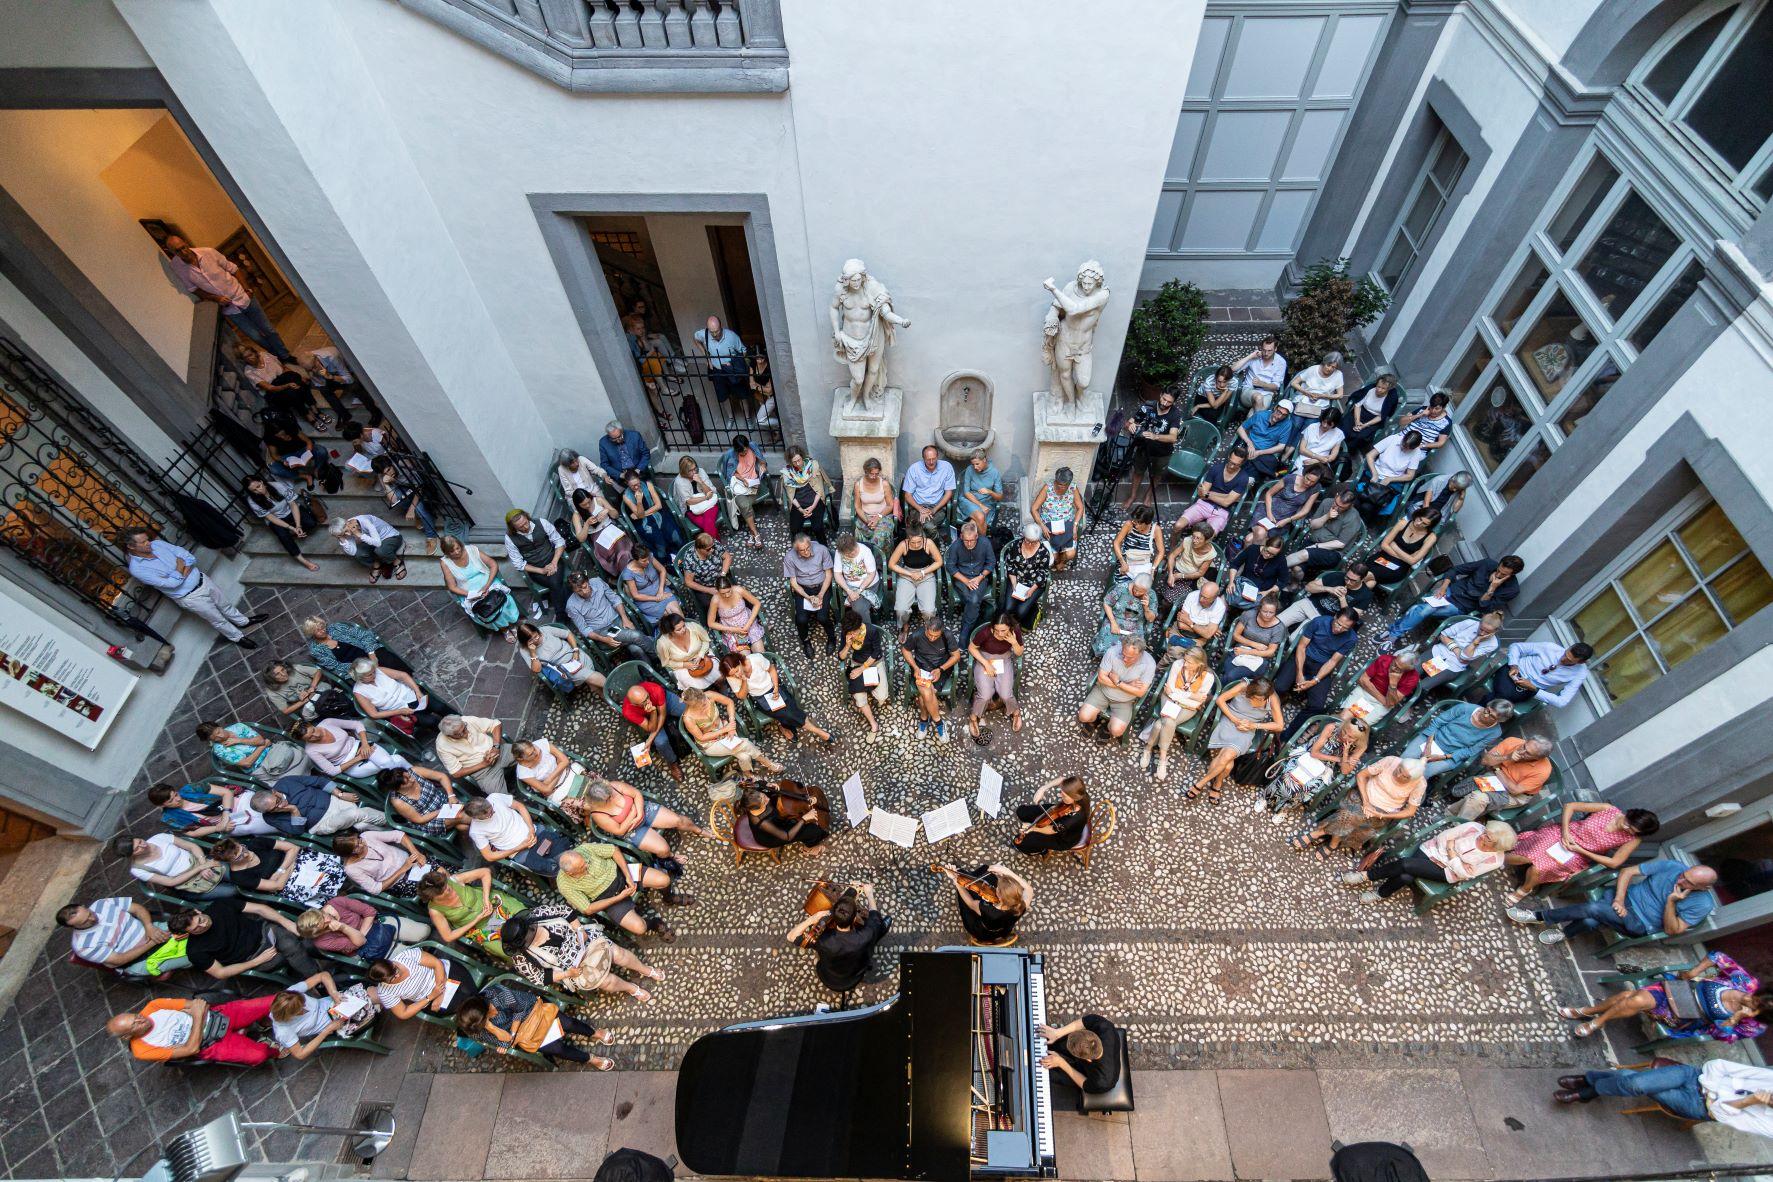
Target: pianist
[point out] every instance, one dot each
(846, 940)
(1082, 1056)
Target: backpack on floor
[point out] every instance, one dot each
(1376, 1161)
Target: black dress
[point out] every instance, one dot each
(1099, 1074)
(810, 834)
(1066, 830)
(990, 924)
(870, 650)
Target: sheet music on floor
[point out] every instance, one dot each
(901, 831)
(855, 804)
(990, 797)
(946, 821)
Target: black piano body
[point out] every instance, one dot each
(938, 1082)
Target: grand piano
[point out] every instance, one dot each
(940, 1081)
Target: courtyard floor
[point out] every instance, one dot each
(1269, 1011)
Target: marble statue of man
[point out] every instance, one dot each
(1071, 331)
(862, 324)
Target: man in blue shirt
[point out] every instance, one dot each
(1470, 589)
(1458, 736)
(172, 571)
(928, 487)
(1266, 438)
(310, 806)
(725, 351)
(970, 561)
(621, 449)
(1659, 896)
(981, 488)
(1541, 670)
(1323, 645)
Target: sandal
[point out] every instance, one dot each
(400, 568)
(642, 996)
(599, 1063)
(1302, 843)
(1573, 1014)
(1016, 721)
(603, 1038)
(1516, 898)
(1584, 1030)
(1193, 793)
(375, 574)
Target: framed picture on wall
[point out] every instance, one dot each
(261, 278)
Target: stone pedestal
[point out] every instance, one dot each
(1065, 438)
(866, 434)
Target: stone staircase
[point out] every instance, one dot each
(270, 566)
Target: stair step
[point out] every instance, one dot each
(320, 542)
(280, 570)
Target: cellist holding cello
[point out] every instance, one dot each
(1055, 826)
(992, 900)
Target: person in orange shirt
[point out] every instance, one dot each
(1510, 774)
(168, 1029)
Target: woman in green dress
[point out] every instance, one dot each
(467, 906)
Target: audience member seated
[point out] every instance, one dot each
(1734, 1094)
(1129, 610)
(1456, 854)
(734, 615)
(1262, 374)
(395, 698)
(168, 1029)
(916, 563)
(1368, 409)
(472, 748)
(382, 862)
(929, 654)
(1589, 833)
(600, 617)
(1717, 999)
(1247, 708)
(1471, 588)
(1138, 546)
(425, 799)
(1196, 622)
(1331, 529)
(928, 488)
(1408, 542)
(1459, 646)
(551, 947)
(1191, 560)
(1083, 1058)
(173, 864)
(503, 1017)
(1386, 790)
(1542, 671)
(301, 877)
(344, 926)
(1265, 438)
(299, 692)
(744, 472)
(971, 562)
(1390, 466)
(597, 878)
(412, 979)
(1187, 687)
(1658, 896)
(239, 747)
(335, 647)
(618, 808)
(1330, 592)
(1213, 395)
(501, 828)
(712, 722)
(1514, 771)
(807, 567)
(646, 510)
(536, 549)
(1122, 677)
(772, 830)
(845, 945)
(995, 649)
(547, 771)
(756, 678)
(232, 936)
(696, 494)
(311, 806)
(1258, 570)
(651, 707)
(981, 490)
(863, 654)
(308, 1013)
(620, 449)
(877, 510)
(342, 747)
(372, 543)
(1387, 681)
(115, 933)
(1220, 489)
(644, 579)
(1045, 828)
(1337, 750)
(1457, 736)
(468, 905)
(555, 658)
(858, 577)
(1322, 647)
(990, 921)
(471, 575)
(707, 562)
(201, 811)
(807, 495)
(1286, 502)
(1255, 640)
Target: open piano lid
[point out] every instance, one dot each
(883, 1092)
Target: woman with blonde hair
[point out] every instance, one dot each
(1187, 687)
(472, 576)
(709, 718)
(694, 491)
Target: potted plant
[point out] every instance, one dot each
(1164, 333)
(1329, 306)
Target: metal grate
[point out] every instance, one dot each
(697, 406)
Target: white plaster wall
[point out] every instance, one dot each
(1550, 24)
(50, 163)
(86, 33)
(1747, 686)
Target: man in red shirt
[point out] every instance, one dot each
(655, 710)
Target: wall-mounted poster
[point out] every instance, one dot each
(63, 682)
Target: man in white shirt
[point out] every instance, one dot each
(373, 543)
(209, 275)
(1739, 1095)
(1264, 373)
(1202, 615)
(501, 829)
(1390, 465)
(115, 933)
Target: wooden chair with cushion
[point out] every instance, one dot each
(1100, 828)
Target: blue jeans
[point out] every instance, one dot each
(1587, 916)
(662, 740)
(251, 321)
(1675, 1087)
(972, 606)
(413, 501)
(1418, 612)
(1413, 750)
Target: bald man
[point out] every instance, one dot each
(1660, 896)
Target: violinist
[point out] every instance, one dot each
(847, 936)
(1058, 825)
(768, 809)
(993, 899)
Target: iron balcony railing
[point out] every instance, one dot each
(701, 403)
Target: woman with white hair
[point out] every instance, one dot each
(1129, 610)
(1027, 568)
(1458, 854)
(373, 543)
(395, 698)
(576, 471)
(1386, 790)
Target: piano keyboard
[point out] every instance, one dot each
(1043, 1084)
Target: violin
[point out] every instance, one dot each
(796, 801)
(974, 883)
(1056, 812)
(822, 897)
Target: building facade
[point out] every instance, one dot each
(1567, 203)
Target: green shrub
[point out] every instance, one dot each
(1165, 333)
(1329, 306)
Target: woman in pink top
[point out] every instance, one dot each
(381, 862)
(1458, 854)
(1589, 834)
(1386, 790)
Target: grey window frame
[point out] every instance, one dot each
(1444, 140)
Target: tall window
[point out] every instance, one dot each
(1677, 593)
(1441, 171)
(1708, 83)
(1597, 280)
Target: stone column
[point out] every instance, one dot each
(1065, 438)
(865, 435)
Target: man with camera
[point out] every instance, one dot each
(1156, 426)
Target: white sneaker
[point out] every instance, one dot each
(1354, 878)
(1258, 805)
(1522, 915)
(1552, 936)
(1280, 818)
(535, 611)
(1369, 896)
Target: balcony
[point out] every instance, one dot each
(629, 46)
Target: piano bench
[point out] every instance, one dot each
(1119, 1098)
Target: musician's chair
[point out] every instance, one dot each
(1097, 832)
(1119, 1098)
